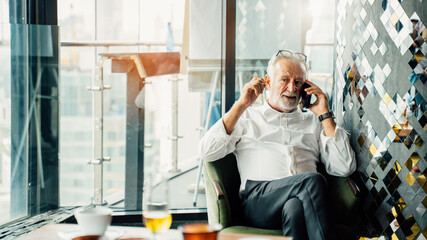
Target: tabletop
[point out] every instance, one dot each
(68, 231)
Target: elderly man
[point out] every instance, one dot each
(277, 147)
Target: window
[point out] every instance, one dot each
(136, 26)
(28, 130)
(303, 26)
(5, 118)
(320, 44)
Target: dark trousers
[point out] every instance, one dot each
(295, 204)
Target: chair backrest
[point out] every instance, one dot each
(227, 211)
(341, 198)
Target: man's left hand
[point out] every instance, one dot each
(320, 106)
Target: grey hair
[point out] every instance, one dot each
(273, 60)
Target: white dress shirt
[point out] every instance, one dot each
(271, 145)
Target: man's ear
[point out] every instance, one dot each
(267, 81)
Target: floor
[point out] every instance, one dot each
(181, 189)
(182, 195)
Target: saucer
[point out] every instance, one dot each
(70, 234)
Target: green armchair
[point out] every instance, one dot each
(222, 182)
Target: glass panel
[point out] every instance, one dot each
(5, 120)
(28, 95)
(201, 87)
(76, 125)
(77, 22)
(119, 21)
(172, 128)
(255, 45)
(5, 113)
(311, 32)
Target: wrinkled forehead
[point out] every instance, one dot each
(286, 67)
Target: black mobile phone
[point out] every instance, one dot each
(305, 98)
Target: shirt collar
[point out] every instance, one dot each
(271, 113)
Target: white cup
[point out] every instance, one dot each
(93, 221)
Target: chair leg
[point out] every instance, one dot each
(196, 190)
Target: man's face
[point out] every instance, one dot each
(285, 85)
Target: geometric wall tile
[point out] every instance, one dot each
(421, 209)
(424, 202)
(423, 121)
(378, 71)
(412, 161)
(421, 179)
(397, 167)
(410, 228)
(395, 183)
(361, 140)
(383, 49)
(410, 179)
(374, 179)
(386, 70)
(374, 48)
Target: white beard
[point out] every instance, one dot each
(288, 105)
(283, 104)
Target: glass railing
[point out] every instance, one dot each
(171, 129)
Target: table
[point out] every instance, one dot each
(236, 236)
(51, 231)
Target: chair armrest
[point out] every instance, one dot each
(218, 190)
(353, 186)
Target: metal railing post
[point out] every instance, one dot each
(98, 121)
(174, 126)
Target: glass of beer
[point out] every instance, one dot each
(156, 213)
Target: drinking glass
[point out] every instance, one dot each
(197, 231)
(156, 213)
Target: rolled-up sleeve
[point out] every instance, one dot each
(216, 143)
(337, 154)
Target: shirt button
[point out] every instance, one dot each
(286, 142)
(292, 171)
(290, 152)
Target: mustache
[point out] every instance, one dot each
(289, 94)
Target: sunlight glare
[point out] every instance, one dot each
(316, 7)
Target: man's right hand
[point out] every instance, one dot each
(251, 91)
(249, 94)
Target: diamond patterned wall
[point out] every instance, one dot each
(379, 97)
